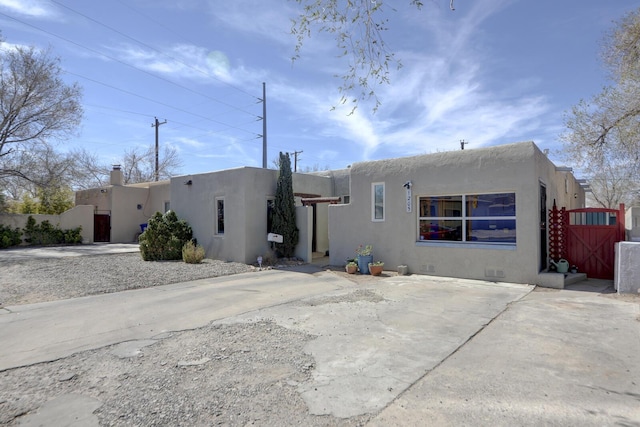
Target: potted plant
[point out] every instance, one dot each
(376, 268)
(352, 267)
(365, 256)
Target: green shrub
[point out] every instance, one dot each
(164, 237)
(192, 253)
(47, 234)
(9, 237)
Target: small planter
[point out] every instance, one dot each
(363, 263)
(351, 269)
(375, 269)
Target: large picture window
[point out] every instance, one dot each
(480, 218)
(377, 201)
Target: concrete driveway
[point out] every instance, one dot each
(412, 350)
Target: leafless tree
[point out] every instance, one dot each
(603, 134)
(37, 108)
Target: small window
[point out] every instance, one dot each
(220, 216)
(377, 199)
(167, 207)
(271, 206)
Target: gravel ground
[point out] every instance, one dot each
(234, 374)
(39, 280)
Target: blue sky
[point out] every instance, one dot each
(491, 72)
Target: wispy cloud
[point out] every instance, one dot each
(440, 96)
(188, 62)
(270, 19)
(34, 8)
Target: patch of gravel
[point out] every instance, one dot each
(234, 375)
(39, 280)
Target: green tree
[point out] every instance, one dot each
(284, 212)
(54, 199)
(603, 134)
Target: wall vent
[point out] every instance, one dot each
(427, 268)
(493, 272)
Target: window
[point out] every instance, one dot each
(271, 206)
(167, 206)
(219, 216)
(479, 218)
(377, 201)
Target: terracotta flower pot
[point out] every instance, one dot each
(375, 270)
(351, 269)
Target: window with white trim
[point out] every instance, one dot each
(473, 218)
(219, 215)
(377, 201)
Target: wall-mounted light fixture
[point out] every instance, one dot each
(189, 182)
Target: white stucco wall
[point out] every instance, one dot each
(245, 191)
(627, 267)
(514, 168)
(128, 205)
(78, 216)
(632, 223)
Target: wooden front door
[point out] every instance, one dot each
(101, 228)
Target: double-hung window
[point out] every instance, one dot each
(474, 218)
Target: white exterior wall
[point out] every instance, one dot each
(245, 192)
(632, 223)
(627, 268)
(515, 168)
(79, 216)
(128, 205)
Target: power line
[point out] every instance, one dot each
(154, 101)
(123, 63)
(154, 49)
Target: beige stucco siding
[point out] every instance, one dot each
(245, 192)
(128, 205)
(515, 168)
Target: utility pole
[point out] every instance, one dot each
(463, 143)
(264, 125)
(157, 125)
(295, 160)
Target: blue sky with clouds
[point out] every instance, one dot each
(491, 72)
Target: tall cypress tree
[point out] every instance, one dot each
(284, 212)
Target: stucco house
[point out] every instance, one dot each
(119, 209)
(477, 214)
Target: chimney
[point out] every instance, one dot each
(117, 178)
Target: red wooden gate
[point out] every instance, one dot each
(586, 238)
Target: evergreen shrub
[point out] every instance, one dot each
(164, 237)
(9, 237)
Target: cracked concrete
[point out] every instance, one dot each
(372, 344)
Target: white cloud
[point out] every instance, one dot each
(269, 19)
(189, 62)
(34, 8)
